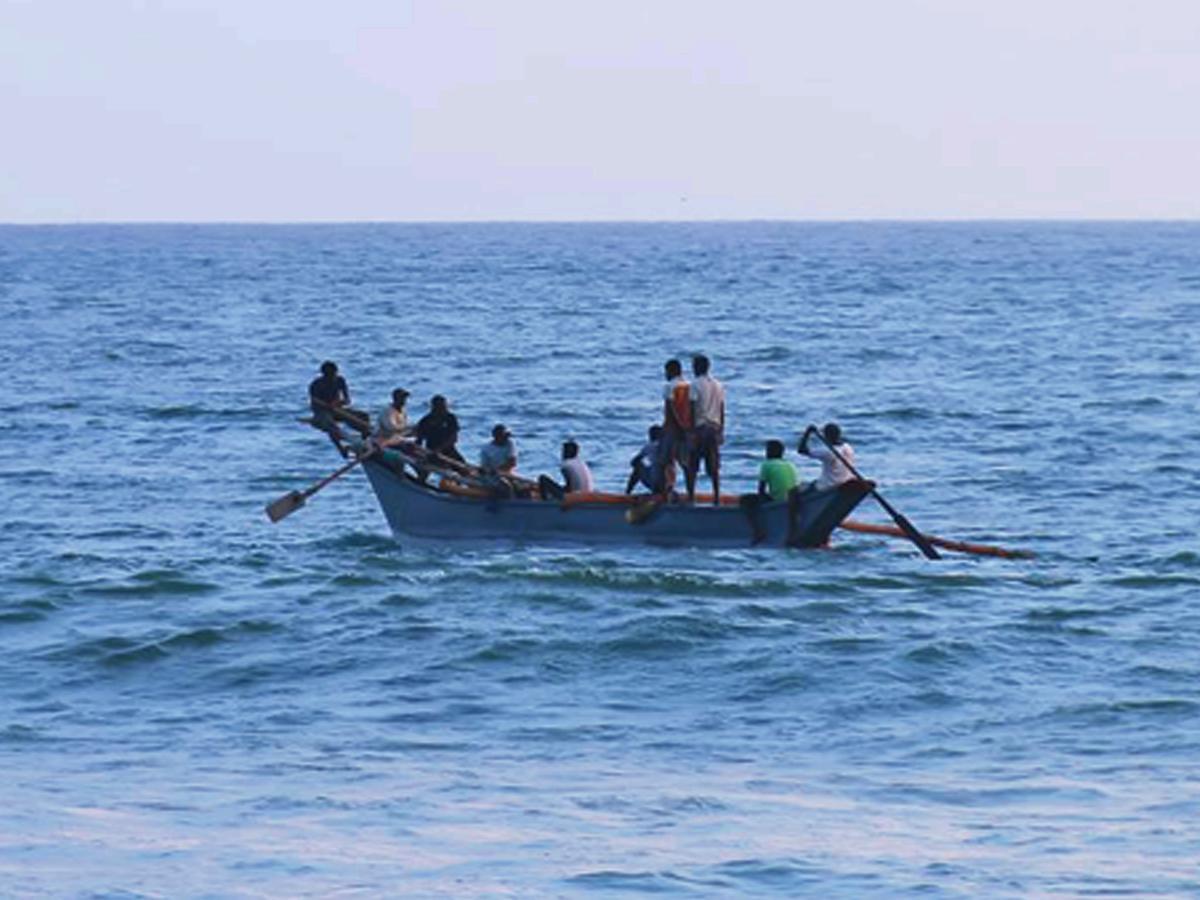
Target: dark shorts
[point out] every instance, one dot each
(706, 445)
(673, 446)
(706, 439)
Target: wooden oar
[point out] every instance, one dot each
(944, 543)
(906, 526)
(293, 500)
(344, 413)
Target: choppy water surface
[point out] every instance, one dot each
(195, 702)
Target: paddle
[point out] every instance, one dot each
(345, 414)
(944, 543)
(293, 500)
(906, 526)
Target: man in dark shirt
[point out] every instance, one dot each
(438, 429)
(329, 397)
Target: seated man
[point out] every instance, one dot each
(438, 429)
(576, 475)
(833, 472)
(776, 476)
(393, 427)
(498, 460)
(646, 466)
(776, 481)
(329, 398)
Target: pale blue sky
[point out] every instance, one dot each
(265, 110)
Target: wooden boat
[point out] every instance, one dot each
(446, 505)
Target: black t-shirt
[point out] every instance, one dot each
(438, 430)
(328, 390)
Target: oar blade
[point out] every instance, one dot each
(285, 505)
(642, 513)
(916, 537)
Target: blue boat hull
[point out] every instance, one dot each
(414, 509)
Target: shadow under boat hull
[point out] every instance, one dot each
(417, 510)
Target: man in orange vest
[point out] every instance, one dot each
(677, 423)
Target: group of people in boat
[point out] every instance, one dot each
(692, 432)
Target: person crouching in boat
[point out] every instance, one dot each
(833, 472)
(392, 426)
(577, 477)
(677, 423)
(438, 430)
(646, 466)
(498, 462)
(329, 398)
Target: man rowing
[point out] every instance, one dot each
(833, 472)
(329, 398)
(392, 426)
(438, 429)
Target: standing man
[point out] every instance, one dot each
(707, 396)
(677, 423)
(329, 398)
(833, 472)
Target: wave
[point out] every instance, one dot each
(152, 583)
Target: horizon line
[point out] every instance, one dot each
(881, 220)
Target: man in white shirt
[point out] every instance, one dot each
(576, 475)
(499, 455)
(707, 397)
(393, 427)
(576, 472)
(833, 472)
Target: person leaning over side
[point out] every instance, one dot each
(833, 472)
(438, 429)
(329, 399)
(707, 397)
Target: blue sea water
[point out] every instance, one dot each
(195, 702)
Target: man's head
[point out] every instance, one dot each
(832, 433)
(700, 364)
(570, 450)
(674, 368)
(774, 449)
(500, 434)
(437, 403)
(399, 397)
(655, 432)
(328, 368)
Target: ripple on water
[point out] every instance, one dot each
(152, 583)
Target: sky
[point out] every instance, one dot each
(464, 110)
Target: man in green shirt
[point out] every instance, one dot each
(776, 476)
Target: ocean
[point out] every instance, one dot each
(197, 703)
